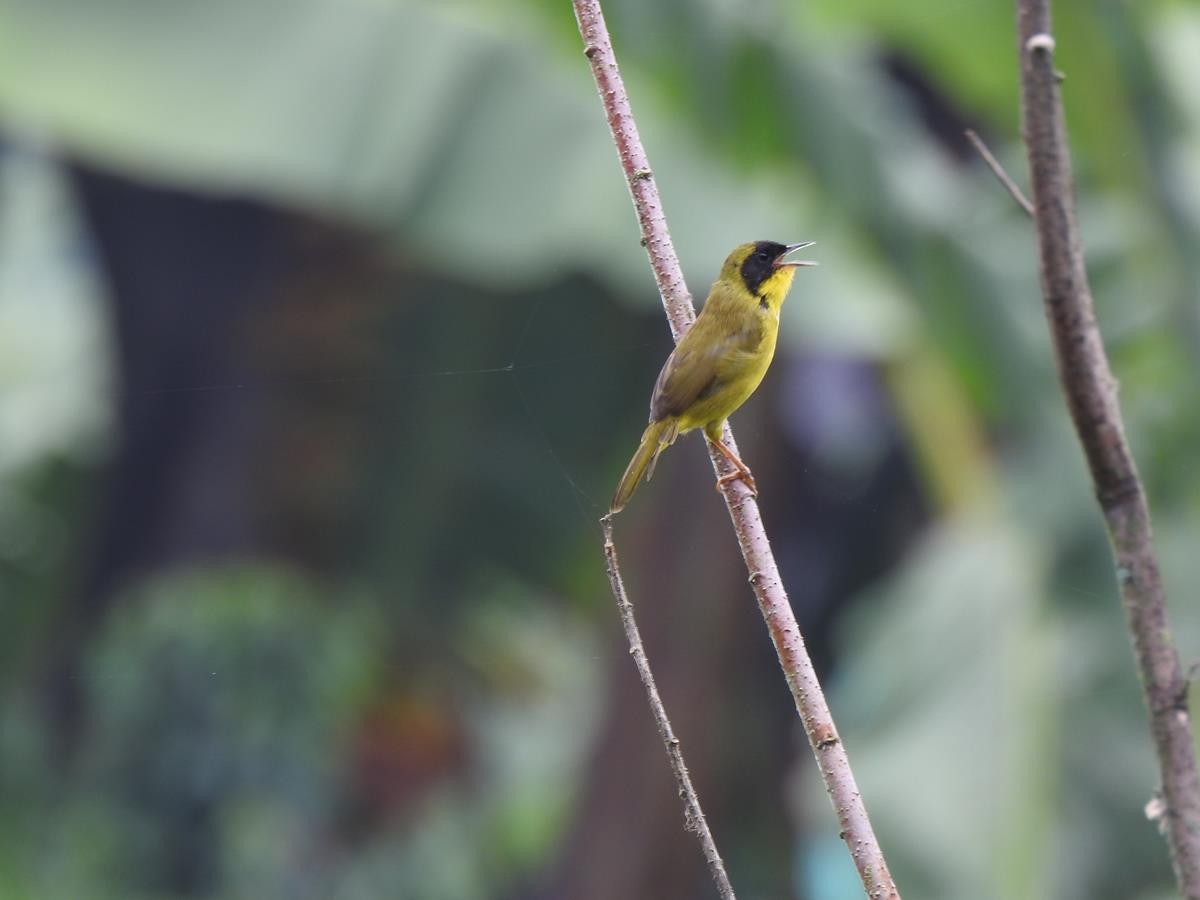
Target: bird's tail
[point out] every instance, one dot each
(657, 437)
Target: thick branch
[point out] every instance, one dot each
(1091, 396)
(693, 815)
(773, 602)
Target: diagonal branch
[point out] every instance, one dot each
(773, 602)
(1091, 393)
(693, 814)
(998, 170)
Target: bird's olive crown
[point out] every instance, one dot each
(755, 262)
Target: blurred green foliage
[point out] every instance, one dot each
(984, 687)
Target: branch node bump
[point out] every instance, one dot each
(1042, 41)
(1193, 670)
(828, 741)
(1155, 808)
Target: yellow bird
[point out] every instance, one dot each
(719, 362)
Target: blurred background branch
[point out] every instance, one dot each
(1091, 393)
(998, 170)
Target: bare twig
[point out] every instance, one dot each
(1091, 396)
(692, 813)
(773, 602)
(998, 170)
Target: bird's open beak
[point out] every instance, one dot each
(781, 261)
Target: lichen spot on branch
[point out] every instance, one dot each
(1041, 41)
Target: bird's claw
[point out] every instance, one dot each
(742, 475)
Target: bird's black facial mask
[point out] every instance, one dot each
(760, 264)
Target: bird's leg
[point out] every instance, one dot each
(742, 471)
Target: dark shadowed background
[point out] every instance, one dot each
(325, 334)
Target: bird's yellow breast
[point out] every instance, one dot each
(750, 330)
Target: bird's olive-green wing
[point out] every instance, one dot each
(689, 373)
(694, 369)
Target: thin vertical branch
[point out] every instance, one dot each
(1091, 395)
(827, 747)
(693, 815)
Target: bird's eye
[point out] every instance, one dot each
(761, 254)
